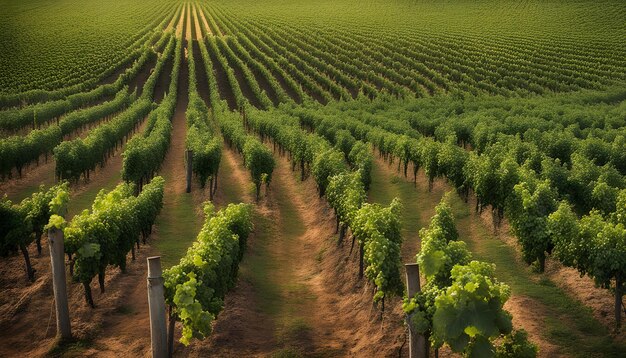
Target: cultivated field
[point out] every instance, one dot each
(285, 159)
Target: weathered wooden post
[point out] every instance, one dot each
(57, 261)
(618, 303)
(189, 156)
(418, 344)
(156, 303)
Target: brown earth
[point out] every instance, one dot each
(264, 85)
(338, 312)
(180, 25)
(197, 29)
(241, 328)
(201, 75)
(262, 82)
(170, 24)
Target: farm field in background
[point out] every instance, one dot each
(285, 159)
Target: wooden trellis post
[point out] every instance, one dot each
(57, 261)
(418, 344)
(156, 303)
(189, 155)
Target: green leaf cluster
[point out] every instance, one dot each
(196, 287)
(106, 234)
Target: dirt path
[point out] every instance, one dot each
(226, 92)
(275, 306)
(127, 332)
(234, 184)
(180, 26)
(120, 70)
(342, 319)
(44, 174)
(81, 197)
(241, 328)
(417, 207)
(106, 177)
(83, 192)
(386, 178)
(136, 84)
(105, 331)
(206, 24)
(188, 29)
(22, 303)
(218, 31)
(245, 87)
(32, 177)
(180, 219)
(224, 88)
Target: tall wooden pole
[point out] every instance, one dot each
(156, 303)
(418, 344)
(189, 154)
(618, 303)
(57, 261)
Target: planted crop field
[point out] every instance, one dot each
(312, 178)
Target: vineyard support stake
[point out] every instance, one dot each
(189, 156)
(418, 344)
(57, 261)
(156, 303)
(618, 303)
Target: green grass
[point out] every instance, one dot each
(124, 310)
(84, 199)
(28, 191)
(287, 353)
(293, 331)
(417, 206)
(231, 191)
(292, 225)
(259, 270)
(69, 348)
(278, 291)
(267, 273)
(178, 226)
(385, 188)
(320, 255)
